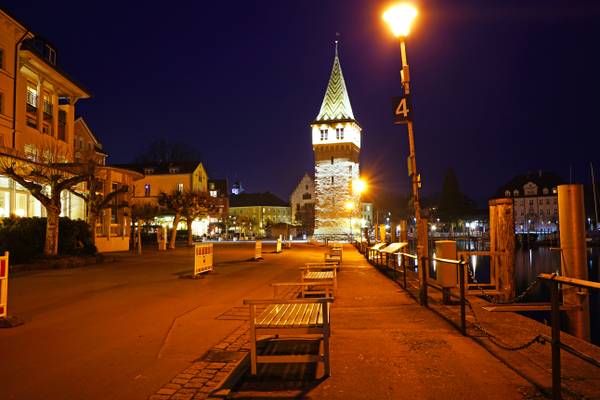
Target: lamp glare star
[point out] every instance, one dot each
(400, 18)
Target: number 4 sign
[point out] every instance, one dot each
(402, 109)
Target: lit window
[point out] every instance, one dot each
(339, 133)
(180, 187)
(147, 190)
(31, 96)
(323, 134)
(213, 193)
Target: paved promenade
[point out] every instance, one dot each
(385, 346)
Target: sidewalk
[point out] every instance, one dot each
(385, 346)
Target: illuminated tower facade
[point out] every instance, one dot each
(336, 144)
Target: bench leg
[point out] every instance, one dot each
(326, 367)
(253, 369)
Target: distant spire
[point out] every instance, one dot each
(336, 103)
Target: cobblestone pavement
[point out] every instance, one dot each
(206, 379)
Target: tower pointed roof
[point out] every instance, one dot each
(336, 103)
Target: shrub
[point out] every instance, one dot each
(24, 238)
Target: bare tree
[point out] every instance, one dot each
(166, 152)
(46, 176)
(188, 205)
(141, 214)
(174, 202)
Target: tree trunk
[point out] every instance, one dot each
(92, 218)
(51, 243)
(190, 238)
(174, 231)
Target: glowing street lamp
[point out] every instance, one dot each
(400, 18)
(359, 186)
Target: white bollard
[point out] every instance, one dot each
(203, 258)
(258, 250)
(278, 248)
(161, 238)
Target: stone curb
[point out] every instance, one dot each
(207, 377)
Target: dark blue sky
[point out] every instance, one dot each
(500, 87)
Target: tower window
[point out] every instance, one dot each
(339, 133)
(332, 180)
(323, 134)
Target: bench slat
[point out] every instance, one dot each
(306, 316)
(314, 318)
(280, 314)
(284, 317)
(267, 316)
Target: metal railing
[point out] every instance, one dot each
(461, 285)
(553, 280)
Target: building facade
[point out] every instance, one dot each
(251, 214)
(302, 203)
(37, 108)
(336, 140)
(535, 201)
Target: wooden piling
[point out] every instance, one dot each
(571, 220)
(502, 245)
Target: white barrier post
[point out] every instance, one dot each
(258, 250)
(203, 258)
(278, 249)
(161, 238)
(3, 285)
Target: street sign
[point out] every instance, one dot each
(402, 108)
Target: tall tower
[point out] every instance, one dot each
(336, 143)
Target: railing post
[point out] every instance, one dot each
(463, 319)
(394, 265)
(423, 281)
(555, 306)
(404, 262)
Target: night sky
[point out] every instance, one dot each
(500, 87)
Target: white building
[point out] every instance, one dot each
(302, 202)
(336, 140)
(535, 201)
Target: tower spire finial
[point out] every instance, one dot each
(337, 35)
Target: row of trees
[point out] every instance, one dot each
(46, 176)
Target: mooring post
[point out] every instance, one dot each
(502, 246)
(571, 218)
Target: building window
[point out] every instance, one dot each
(515, 193)
(148, 171)
(332, 180)
(306, 196)
(46, 129)
(47, 106)
(147, 190)
(180, 187)
(213, 193)
(1, 58)
(531, 202)
(339, 133)
(1, 103)
(323, 134)
(332, 160)
(174, 170)
(31, 98)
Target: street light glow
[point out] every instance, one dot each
(359, 186)
(349, 205)
(400, 18)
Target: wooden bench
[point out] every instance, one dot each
(301, 317)
(303, 289)
(320, 275)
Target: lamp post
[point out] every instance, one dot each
(400, 18)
